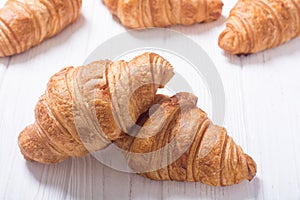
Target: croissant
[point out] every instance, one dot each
(162, 13)
(179, 142)
(26, 23)
(256, 25)
(114, 93)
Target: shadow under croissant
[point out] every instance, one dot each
(47, 44)
(86, 178)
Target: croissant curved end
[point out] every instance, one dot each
(111, 5)
(252, 169)
(21, 140)
(33, 149)
(229, 41)
(214, 9)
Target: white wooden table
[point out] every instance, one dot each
(262, 115)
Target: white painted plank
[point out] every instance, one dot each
(272, 109)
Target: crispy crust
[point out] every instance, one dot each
(26, 23)
(256, 25)
(163, 13)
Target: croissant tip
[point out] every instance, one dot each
(33, 148)
(21, 141)
(111, 5)
(228, 41)
(252, 169)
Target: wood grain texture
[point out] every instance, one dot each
(262, 115)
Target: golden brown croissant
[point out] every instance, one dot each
(256, 25)
(162, 13)
(26, 23)
(102, 90)
(179, 142)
